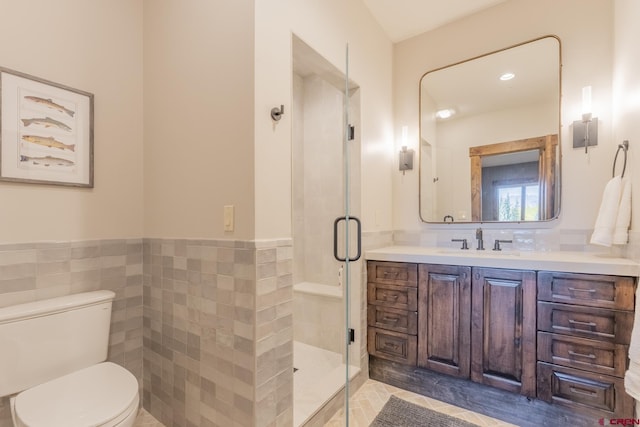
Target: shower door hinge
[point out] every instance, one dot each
(352, 335)
(352, 133)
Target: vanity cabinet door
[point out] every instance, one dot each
(503, 329)
(444, 319)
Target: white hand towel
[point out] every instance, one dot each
(621, 230)
(608, 213)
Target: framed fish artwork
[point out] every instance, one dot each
(46, 132)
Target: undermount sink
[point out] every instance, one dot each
(474, 252)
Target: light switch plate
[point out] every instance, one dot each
(228, 218)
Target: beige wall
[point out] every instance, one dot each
(198, 118)
(585, 28)
(95, 46)
(327, 26)
(626, 93)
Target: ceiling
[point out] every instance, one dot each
(402, 19)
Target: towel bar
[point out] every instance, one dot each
(624, 146)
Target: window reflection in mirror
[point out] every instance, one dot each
(510, 187)
(485, 111)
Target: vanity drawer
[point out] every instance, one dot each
(394, 346)
(587, 289)
(592, 355)
(583, 390)
(401, 297)
(393, 273)
(589, 322)
(393, 319)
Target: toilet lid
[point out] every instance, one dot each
(90, 397)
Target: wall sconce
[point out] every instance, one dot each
(585, 131)
(406, 155)
(406, 159)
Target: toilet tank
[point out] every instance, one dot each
(43, 340)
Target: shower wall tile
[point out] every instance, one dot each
(40, 270)
(217, 331)
(319, 321)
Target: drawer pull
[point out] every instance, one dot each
(576, 390)
(392, 296)
(390, 319)
(591, 291)
(393, 274)
(588, 356)
(577, 322)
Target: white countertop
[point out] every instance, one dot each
(571, 262)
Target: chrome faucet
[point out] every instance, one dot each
(479, 238)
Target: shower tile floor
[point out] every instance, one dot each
(319, 376)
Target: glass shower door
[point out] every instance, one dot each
(350, 238)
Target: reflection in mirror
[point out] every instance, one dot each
(514, 180)
(510, 187)
(489, 148)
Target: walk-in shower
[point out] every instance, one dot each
(323, 183)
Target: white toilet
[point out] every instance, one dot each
(53, 355)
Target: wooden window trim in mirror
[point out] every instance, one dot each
(546, 144)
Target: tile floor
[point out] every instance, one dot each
(368, 401)
(371, 397)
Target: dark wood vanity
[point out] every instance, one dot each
(550, 345)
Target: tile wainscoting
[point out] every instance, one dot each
(218, 336)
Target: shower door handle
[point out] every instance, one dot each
(358, 235)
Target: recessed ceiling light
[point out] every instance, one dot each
(444, 114)
(507, 76)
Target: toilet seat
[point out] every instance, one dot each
(100, 395)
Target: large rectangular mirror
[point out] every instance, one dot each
(489, 145)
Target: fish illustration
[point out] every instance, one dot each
(50, 104)
(46, 122)
(48, 142)
(47, 161)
